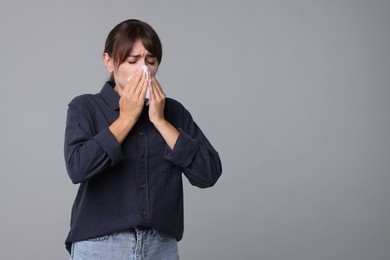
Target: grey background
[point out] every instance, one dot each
(293, 94)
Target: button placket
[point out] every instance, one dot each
(143, 169)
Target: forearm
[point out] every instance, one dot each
(87, 156)
(198, 160)
(121, 127)
(167, 131)
(205, 168)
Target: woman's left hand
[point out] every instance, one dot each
(157, 102)
(156, 114)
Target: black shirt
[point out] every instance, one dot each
(137, 183)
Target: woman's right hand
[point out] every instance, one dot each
(132, 97)
(131, 103)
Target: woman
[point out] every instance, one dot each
(128, 155)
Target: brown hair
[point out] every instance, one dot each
(122, 37)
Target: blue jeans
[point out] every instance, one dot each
(138, 244)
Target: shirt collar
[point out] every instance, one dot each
(110, 96)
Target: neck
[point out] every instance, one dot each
(116, 89)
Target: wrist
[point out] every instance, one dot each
(120, 128)
(126, 121)
(159, 122)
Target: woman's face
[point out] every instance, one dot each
(139, 56)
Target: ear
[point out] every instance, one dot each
(108, 62)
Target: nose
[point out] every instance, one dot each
(142, 62)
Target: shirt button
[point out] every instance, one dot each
(143, 186)
(142, 158)
(144, 212)
(141, 133)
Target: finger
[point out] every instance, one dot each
(152, 92)
(158, 89)
(132, 82)
(142, 89)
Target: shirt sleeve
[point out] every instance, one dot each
(86, 153)
(194, 154)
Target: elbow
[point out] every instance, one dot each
(77, 167)
(73, 167)
(75, 175)
(76, 172)
(214, 176)
(75, 179)
(207, 180)
(213, 173)
(80, 171)
(210, 183)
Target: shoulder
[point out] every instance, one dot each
(83, 101)
(176, 113)
(171, 103)
(175, 108)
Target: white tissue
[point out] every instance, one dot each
(145, 70)
(147, 75)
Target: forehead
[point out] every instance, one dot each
(138, 48)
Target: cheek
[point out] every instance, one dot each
(153, 71)
(125, 71)
(131, 71)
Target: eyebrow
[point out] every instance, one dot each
(139, 55)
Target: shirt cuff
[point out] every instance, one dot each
(110, 145)
(183, 152)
